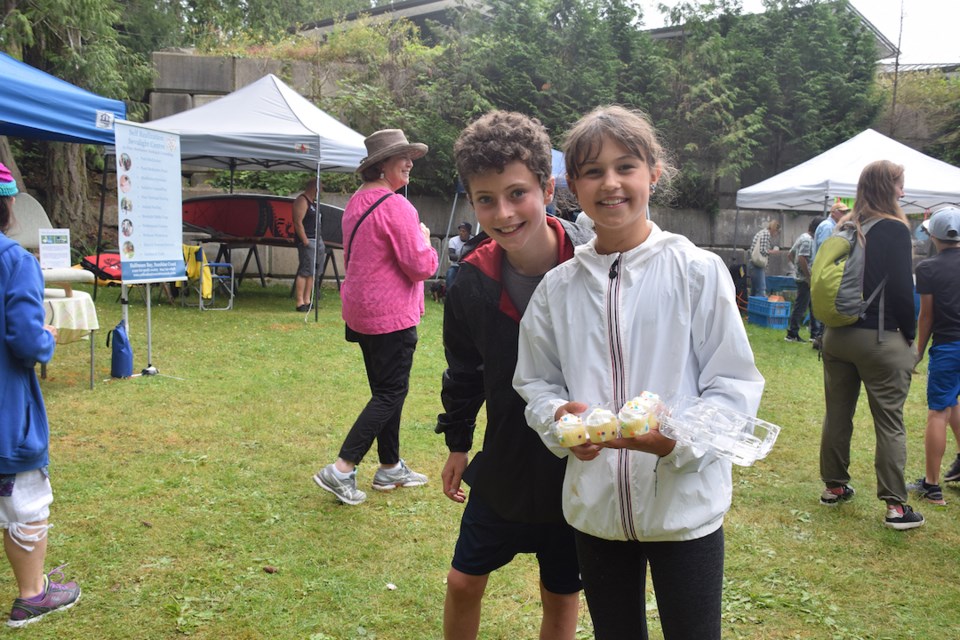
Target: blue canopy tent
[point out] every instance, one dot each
(35, 104)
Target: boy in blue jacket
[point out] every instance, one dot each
(25, 493)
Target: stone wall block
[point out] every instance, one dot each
(200, 99)
(299, 75)
(249, 70)
(687, 222)
(167, 104)
(188, 73)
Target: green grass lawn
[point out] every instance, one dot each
(185, 504)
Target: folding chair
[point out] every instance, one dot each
(208, 279)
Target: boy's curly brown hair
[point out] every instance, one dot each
(498, 138)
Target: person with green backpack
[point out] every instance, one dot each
(824, 231)
(862, 290)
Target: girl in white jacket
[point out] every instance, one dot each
(637, 309)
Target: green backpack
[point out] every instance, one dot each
(836, 281)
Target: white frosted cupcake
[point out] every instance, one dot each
(638, 416)
(601, 425)
(570, 430)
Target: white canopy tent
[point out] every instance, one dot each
(814, 185)
(265, 125)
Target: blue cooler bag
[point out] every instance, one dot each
(121, 363)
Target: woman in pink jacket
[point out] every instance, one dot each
(388, 255)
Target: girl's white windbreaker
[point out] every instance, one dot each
(600, 329)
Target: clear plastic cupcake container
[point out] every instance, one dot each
(733, 435)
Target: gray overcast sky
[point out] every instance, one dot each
(929, 26)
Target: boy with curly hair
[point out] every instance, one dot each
(504, 160)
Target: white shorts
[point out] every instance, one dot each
(25, 498)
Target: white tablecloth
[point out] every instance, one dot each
(74, 317)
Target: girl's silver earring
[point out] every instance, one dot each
(653, 187)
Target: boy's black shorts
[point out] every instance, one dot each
(488, 542)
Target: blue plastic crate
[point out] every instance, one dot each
(781, 283)
(775, 315)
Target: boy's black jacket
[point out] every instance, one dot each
(514, 474)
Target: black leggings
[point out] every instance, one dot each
(687, 580)
(388, 359)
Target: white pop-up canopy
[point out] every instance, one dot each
(814, 185)
(265, 125)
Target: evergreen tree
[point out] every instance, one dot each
(74, 40)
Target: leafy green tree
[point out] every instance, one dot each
(946, 145)
(709, 133)
(768, 90)
(643, 68)
(74, 40)
(810, 66)
(927, 112)
(145, 26)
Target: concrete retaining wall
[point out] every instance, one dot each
(185, 80)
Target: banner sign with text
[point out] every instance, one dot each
(150, 218)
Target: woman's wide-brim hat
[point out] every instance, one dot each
(387, 143)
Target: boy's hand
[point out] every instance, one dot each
(917, 357)
(452, 474)
(652, 442)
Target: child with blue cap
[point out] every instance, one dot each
(938, 283)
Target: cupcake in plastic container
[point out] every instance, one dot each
(570, 431)
(601, 425)
(639, 415)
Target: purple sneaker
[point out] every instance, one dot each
(56, 597)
